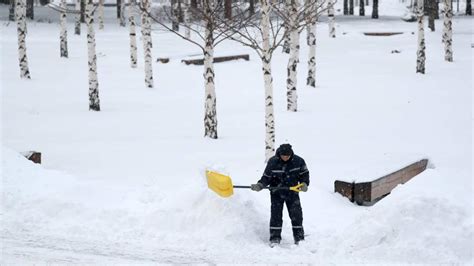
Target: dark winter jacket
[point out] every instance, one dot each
(285, 174)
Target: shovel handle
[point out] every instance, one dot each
(294, 188)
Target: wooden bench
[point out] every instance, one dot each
(382, 33)
(200, 61)
(33, 156)
(370, 192)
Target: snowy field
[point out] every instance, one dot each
(126, 185)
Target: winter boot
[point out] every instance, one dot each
(274, 242)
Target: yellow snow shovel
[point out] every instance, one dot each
(222, 184)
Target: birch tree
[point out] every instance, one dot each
(311, 41)
(432, 13)
(187, 18)
(375, 9)
(174, 14)
(63, 32)
(77, 27)
(30, 11)
(286, 41)
(264, 32)
(362, 8)
(206, 17)
(291, 81)
(264, 36)
(94, 103)
(11, 10)
(147, 42)
(332, 28)
(448, 31)
(265, 56)
(133, 37)
(21, 30)
(101, 14)
(123, 20)
(421, 57)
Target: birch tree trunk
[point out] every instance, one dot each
(311, 41)
(119, 8)
(30, 11)
(431, 13)
(375, 9)
(77, 27)
(63, 34)
(187, 17)
(210, 115)
(83, 10)
(362, 8)
(448, 31)
(332, 28)
(268, 81)
(174, 15)
(94, 103)
(147, 43)
(251, 7)
(133, 34)
(421, 57)
(21, 30)
(11, 9)
(286, 41)
(123, 21)
(101, 14)
(291, 82)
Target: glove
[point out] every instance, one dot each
(304, 187)
(256, 187)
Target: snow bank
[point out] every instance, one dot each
(101, 221)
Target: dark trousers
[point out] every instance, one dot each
(293, 205)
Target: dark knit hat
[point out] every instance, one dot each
(285, 149)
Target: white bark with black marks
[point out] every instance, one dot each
(286, 41)
(421, 56)
(63, 33)
(448, 31)
(210, 115)
(94, 102)
(311, 41)
(147, 43)
(21, 30)
(77, 25)
(174, 15)
(268, 81)
(101, 14)
(133, 34)
(331, 18)
(187, 18)
(291, 81)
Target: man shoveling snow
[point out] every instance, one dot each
(285, 169)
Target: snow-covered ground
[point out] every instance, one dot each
(126, 185)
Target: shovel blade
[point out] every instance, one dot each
(219, 183)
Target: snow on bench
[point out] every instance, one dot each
(369, 190)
